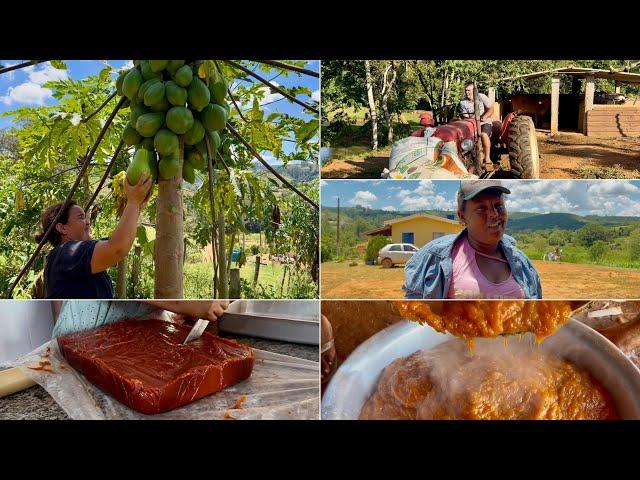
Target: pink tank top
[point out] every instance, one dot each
(469, 282)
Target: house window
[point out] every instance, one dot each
(407, 237)
(438, 235)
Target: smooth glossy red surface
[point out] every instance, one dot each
(143, 364)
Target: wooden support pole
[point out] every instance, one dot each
(617, 86)
(589, 92)
(257, 272)
(555, 104)
(234, 280)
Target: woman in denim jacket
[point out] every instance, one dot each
(479, 262)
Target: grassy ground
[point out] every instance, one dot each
(198, 277)
(559, 280)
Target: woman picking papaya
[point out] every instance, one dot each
(77, 265)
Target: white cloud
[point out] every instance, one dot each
(46, 73)
(363, 198)
(128, 64)
(32, 92)
(432, 202)
(389, 208)
(315, 96)
(612, 187)
(9, 76)
(28, 93)
(423, 197)
(324, 183)
(581, 197)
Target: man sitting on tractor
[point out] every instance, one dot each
(466, 110)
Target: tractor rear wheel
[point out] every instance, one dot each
(523, 148)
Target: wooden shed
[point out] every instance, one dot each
(603, 121)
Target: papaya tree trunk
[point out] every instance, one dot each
(223, 281)
(121, 279)
(169, 248)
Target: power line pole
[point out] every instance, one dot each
(338, 231)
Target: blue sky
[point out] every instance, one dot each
(24, 87)
(581, 197)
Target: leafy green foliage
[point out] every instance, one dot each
(374, 246)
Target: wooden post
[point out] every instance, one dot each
(555, 104)
(121, 279)
(338, 231)
(257, 272)
(491, 93)
(617, 90)
(135, 271)
(223, 279)
(234, 287)
(589, 92)
(286, 267)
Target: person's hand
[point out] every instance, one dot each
(139, 193)
(210, 310)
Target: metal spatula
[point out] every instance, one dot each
(196, 331)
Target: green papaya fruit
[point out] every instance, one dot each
(169, 166)
(196, 159)
(183, 76)
(213, 117)
(130, 136)
(143, 88)
(154, 94)
(136, 112)
(179, 119)
(174, 65)
(194, 134)
(119, 81)
(148, 124)
(218, 89)
(165, 142)
(147, 143)
(214, 141)
(176, 94)
(198, 95)
(131, 83)
(158, 65)
(147, 72)
(162, 106)
(139, 166)
(188, 173)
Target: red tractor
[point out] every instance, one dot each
(514, 146)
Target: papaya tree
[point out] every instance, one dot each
(200, 121)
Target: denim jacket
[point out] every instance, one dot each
(428, 274)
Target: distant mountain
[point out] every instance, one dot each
(518, 221)
(561, 221)
(294, 172)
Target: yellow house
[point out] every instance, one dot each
(418, 229)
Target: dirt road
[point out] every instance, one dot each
(559, 281)
(567, 155)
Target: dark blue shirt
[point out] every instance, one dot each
(68, 273)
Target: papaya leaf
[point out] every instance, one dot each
(58, 64)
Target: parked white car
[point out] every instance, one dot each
(395, 253)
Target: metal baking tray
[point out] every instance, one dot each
(296, 321)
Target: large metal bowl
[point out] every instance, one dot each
(356, 379)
